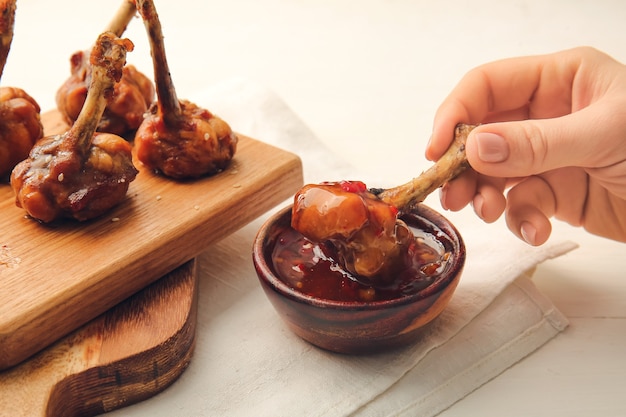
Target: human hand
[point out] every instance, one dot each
(552, 143)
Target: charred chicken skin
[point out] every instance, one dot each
(362, 226)
(178, 138)
(20, 124)
(132, 95)
(80, 174)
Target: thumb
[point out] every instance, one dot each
(529, 147)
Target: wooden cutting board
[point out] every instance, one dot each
(128, 354)
(56, 278)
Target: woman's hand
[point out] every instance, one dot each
(552, 143)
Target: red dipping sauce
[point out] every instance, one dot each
(312, 269)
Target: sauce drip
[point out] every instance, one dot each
(312, 269)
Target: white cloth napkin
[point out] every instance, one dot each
(248, 363)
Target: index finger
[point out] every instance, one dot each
(540, 84)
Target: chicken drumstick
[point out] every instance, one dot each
(80, 174)
(178, 138)
(132, 95)
(362, 225)
(20, 124)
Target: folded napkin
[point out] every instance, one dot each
(248, 363)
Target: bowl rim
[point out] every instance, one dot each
(271, 281)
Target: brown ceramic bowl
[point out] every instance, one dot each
(361, 327)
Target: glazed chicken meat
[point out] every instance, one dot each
(365, 232)
(20, 127)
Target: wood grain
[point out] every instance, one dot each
(130, 353)
(55, 278)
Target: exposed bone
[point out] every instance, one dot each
(122, 18)
(450, 165)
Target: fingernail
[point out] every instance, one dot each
(477, 203)
(491, 147)
(529, 233)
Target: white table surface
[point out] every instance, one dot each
(367, 77)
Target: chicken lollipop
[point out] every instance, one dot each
(20, 124)
(80, 174)
(178, 138)
(132, 95)
(362, 225)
